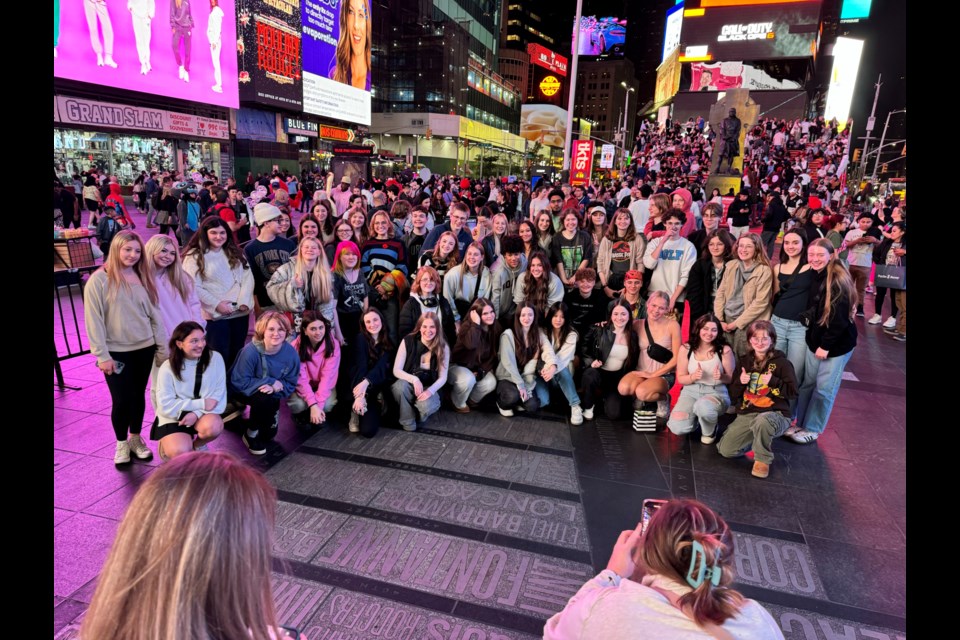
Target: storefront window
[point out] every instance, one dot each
(203, 155)
(124, 156)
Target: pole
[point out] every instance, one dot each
(883, 137)
(626, 102)
(568, 139)
(866, 141)
(418, 149)
(481, 163)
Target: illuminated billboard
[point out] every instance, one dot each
(337, 45)
(843, 78)
(543, 57)
(855, 10)
(548, 86)
(145, 45)
(720, 76)
(715, 32)
(668, 78)
(269, 48)
(602, 37)
(671, 36)
(543, 123)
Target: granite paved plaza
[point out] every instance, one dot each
(480, 527)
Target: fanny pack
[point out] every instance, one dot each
(658, 352)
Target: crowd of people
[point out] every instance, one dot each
(383, 301)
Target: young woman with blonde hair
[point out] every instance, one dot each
(420, 368)
(126, 334)
(305, 283)
(169, 551)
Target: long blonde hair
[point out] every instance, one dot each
(171, 575)
(114, 268)
(838, 283)
(182, 283)
(759, 254)
(321, 284)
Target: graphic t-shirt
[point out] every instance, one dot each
(570, 253)
(350, 295)
(264, 259)
(620, 257)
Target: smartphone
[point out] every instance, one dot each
(118, 366)
(650, 506)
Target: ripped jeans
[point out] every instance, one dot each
(698, 402)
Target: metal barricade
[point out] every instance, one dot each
(67, 284)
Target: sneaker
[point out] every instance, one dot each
(875, 319)
(860, 312)
(576, 415)
(899, 337)
(151, 226)
(588, 414)
(663, 408)
(644, 421)
(463, 409)
(110, 63)
(760, 469)
(792, 429)
(217, 88)
(354, 425)
(138, 448)
(506, 413)
(707, 439)
(232, 411)
(890, 330)
(802, 436)
(890, 323)
(254, 444)
(122, 456)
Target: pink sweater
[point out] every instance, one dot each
(318, 376)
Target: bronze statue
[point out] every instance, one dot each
(730, 141)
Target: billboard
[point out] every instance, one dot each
(547, 87)
(855, 10)
(750, 32)
(337, 44)
(544, 123)
(668, 78)
(602, 37)
(269, 48)
(671, 36)
(543, 57)
(720, 76)
(129, 46)
(843, 78)
(607, 152)
(582, 166)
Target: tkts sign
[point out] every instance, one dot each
(582, 163)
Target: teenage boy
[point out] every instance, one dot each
(505, 276)
(586, 303)
(632, 282)
(267, 252)
(670, 258)
(459, 212)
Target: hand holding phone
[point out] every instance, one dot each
(118, 366)
(650, 506)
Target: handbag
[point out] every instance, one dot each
(891, 276)
(162, 217)
(658, 352)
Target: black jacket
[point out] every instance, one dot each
(880, 251)
(411, 313)
(776, 215)
(756, 397)
(739, 212)
(839, 336)
(377, 368)
(599, 342)
(700, 288)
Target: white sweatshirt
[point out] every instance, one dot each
(175, 396)
(672, 269)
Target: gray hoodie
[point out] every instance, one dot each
(180, 18)
(507, 367)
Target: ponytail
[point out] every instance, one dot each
(712, 600)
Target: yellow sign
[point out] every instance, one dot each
(549, 86)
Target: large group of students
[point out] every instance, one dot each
(478, 317)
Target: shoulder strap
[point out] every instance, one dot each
(476, 288)
(646, 328)
(197, 382)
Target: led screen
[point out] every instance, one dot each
(602, 37)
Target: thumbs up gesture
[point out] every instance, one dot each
(698, 373)
(744, 376)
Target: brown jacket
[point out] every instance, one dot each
(605, 253)
(756, 294)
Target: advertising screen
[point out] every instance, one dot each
(543, 57)
(270, 52)
(750, 32)
(720, 76)
(548, 87)
(581, 166)
(184, 51)
(602, 37)
(544, 123)
(854, 10)
(671, 36)
(337, 42)
(843, 79)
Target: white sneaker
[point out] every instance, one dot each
(803, 436)
(122, 456)
(110, 63)
(708, 439)
(217, 88)
(506, 413)
(875, 319)
(186, 76)
(890, 323)
(663, 408)
(99, 60)
(180, 72)
(139, 448)
(588, 414)
(576, 415)
(354, 425)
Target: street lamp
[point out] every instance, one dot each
(883, 137)
(626, 101)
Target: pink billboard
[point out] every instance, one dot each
(184, 49)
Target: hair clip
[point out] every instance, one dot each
(712, 574)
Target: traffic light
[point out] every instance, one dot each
(856, 154)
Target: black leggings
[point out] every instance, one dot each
(226, 336)
(263, 412)
(371, 421)
(879, 297)
(604, 383)
(126, 390)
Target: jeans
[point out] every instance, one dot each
(410, 406)
(753, 431)
(698, 402)
(791, 339)
(508, 397)
(297, 404)
(821, 381)
(562, 379)
(126, 390)
(226, 337)
(95, 10)
(465, 386)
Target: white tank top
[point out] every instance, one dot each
(708, 366)
(618, 355)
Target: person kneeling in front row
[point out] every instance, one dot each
(524, 350)
(420, 368)
(761, 392)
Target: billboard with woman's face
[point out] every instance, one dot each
(184, 49)
(337, 44)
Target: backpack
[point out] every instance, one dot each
(107, 229)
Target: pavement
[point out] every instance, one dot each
(481, 527)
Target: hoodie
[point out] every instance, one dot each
(254, 368)
(756, 397)
(318, 375)
(688, 227)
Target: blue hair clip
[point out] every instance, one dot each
(712, 574)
